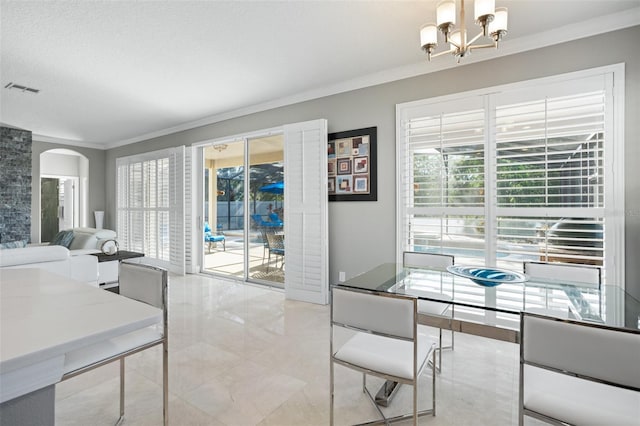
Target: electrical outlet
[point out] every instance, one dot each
(342, 277)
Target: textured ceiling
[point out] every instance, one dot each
(114, 72)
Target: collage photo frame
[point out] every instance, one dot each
(352, 165)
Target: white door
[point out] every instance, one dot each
(305, 215)
(68, 205)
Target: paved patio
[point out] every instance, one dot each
(231, 261)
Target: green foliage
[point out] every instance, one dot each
(519, 184)
(231, 181)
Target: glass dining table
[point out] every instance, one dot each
(494, 312)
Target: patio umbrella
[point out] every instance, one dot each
(273, 188)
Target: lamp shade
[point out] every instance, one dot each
(499, 23)
(446, 12)
(483, 8)
(428, 35)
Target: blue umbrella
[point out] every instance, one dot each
(273, 188)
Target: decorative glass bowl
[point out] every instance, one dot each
(487, 277)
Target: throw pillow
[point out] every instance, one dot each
(62, 238)
(13, 244)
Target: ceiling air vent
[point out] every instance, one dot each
(21, 87)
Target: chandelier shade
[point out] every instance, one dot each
(499, 24)
(492, 21)
(446, 13)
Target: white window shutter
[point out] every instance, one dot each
(523, 178)
(188, 206)
(150, 206)
(306, 245)
(176, 211)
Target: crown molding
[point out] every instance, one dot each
(61, 141)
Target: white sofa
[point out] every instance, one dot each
(90, 239)
(75, 262)
(57, 259)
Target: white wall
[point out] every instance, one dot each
(362, 234)
(59, 164)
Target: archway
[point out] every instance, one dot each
(64, 183)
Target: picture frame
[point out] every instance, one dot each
(331, 167)
(360, 165)
(331, 150)
(360, 184)
(344, 166)
(332, 184)
(344, 185)
(352, 165)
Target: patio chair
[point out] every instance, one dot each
(275, 242)
(209, 237)
(273, 222)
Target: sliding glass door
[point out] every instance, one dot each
(262, 212)
(237, 244)
(266, 207)
(224, 194)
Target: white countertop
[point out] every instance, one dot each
(43, 316)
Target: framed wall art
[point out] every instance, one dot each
(352, 165)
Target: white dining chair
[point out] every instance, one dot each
(412, 259)
(578, 373)
(386, 343)
(582, 275)
(147, 284)
(586, 276)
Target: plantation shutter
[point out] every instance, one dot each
(176, 237)
(550, 178)
(544, 186)
(523, 172)
(189, 261)
(305, 216)
(150, 206)
(442, 168)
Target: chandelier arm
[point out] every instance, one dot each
(483, 46)
(456, 45)
(473, 40)
(444, 52)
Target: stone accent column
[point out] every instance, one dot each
(15, 184)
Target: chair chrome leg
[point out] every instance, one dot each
(121, 418)
(440, 352)
(433, 385)
(452, 339)
(453, 312)
(165, 383)
(415, 402)
(331, 390)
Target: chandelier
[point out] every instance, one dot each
(493, 22)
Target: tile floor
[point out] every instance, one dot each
(242, 355)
